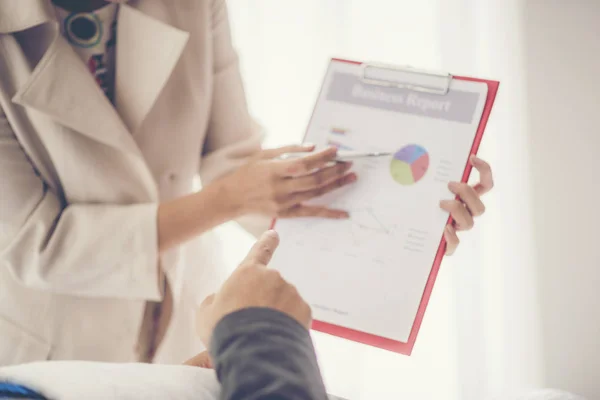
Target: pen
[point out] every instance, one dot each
(341, 155)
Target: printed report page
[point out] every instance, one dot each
(368, 273)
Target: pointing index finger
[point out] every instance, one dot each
(262, 251)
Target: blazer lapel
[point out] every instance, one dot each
(62, 87)
(18, 15)
(147, 52)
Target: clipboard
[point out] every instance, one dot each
(431, 83)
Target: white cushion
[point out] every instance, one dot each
(76, 380)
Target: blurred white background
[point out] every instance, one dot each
(516, 307)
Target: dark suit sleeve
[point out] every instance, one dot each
(259, 353)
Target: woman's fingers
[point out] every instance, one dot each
(469, 202)
(316, 179)
(452, 240)
(298, 198)
(486, 178)
(468, 195)
(302, 211)
(268, 154)
(462, 217)
(304, 165)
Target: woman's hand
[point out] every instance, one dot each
(267, 185)
(279, 188)
(469, 204)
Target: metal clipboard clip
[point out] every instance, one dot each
(406, 77)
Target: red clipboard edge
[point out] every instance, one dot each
(390, 344)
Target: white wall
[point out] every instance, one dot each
(498, 293)
(563, 89)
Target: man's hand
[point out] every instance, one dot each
(252, 284)
(201, 360)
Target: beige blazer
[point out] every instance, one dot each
(80, 180)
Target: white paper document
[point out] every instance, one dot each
(368, 273)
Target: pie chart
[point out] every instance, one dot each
(409, 164)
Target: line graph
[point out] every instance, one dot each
(363, 234)
(366, 219)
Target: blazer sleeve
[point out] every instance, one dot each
(92, 250)
(233, 136)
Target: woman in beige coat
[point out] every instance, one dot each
(103, 243)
